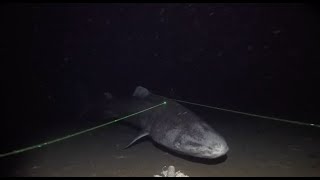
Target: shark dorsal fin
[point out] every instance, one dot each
(141, 92)
(137, 138)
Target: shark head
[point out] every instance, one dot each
(198, 140)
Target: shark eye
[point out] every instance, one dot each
(193, 144)
(177, 144)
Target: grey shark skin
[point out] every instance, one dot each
(171, 125)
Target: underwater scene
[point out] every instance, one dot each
(160, 90)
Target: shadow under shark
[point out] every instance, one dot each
(171, 126)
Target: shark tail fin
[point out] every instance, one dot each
(108, 95)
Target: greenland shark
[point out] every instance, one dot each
(171, 125)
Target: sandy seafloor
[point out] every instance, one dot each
(258, 147)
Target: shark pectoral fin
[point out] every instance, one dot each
(137, 138)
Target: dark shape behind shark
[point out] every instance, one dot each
(171, 125)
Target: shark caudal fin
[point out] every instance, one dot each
(108, 95)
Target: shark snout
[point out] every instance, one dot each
(216, 150)
(220, 149)
(213, 151)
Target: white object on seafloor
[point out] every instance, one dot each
(170, 172)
